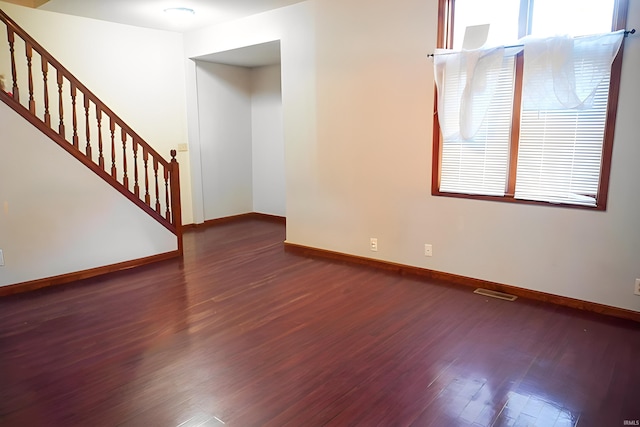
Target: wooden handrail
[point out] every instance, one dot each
(114, 156)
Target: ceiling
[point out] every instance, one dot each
(257, 55)
(150, 13)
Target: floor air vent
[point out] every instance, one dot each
(495, 294)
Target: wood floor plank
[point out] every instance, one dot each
(242, 333)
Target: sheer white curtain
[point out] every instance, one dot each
(466, 83)
(563, 72)
(559, 72)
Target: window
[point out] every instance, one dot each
(525, 139)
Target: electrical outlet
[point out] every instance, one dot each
(373, 244)
(428, 250)
(1, 258)
(636, 290)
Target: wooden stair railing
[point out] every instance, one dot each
(72, 116)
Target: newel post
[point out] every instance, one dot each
(175, 199)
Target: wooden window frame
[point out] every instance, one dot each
(446, 22)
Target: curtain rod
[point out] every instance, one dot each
(431, 55)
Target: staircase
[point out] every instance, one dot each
(46, 94)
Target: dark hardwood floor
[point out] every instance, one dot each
(242, 333)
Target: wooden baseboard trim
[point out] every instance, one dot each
(269, 217)
(84, 274)
(464, 281)
(233, 218)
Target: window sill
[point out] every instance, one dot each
(511, 199)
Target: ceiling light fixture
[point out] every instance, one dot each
(180, 12)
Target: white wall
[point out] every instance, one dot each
(269, 185)
(357, 94)
(57, 216)
(224, 113)
(293, 26)
(137, 72)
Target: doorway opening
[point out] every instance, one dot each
(241, 131)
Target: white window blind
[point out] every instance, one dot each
(477, 165)
(565, 93)
(561, 152)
